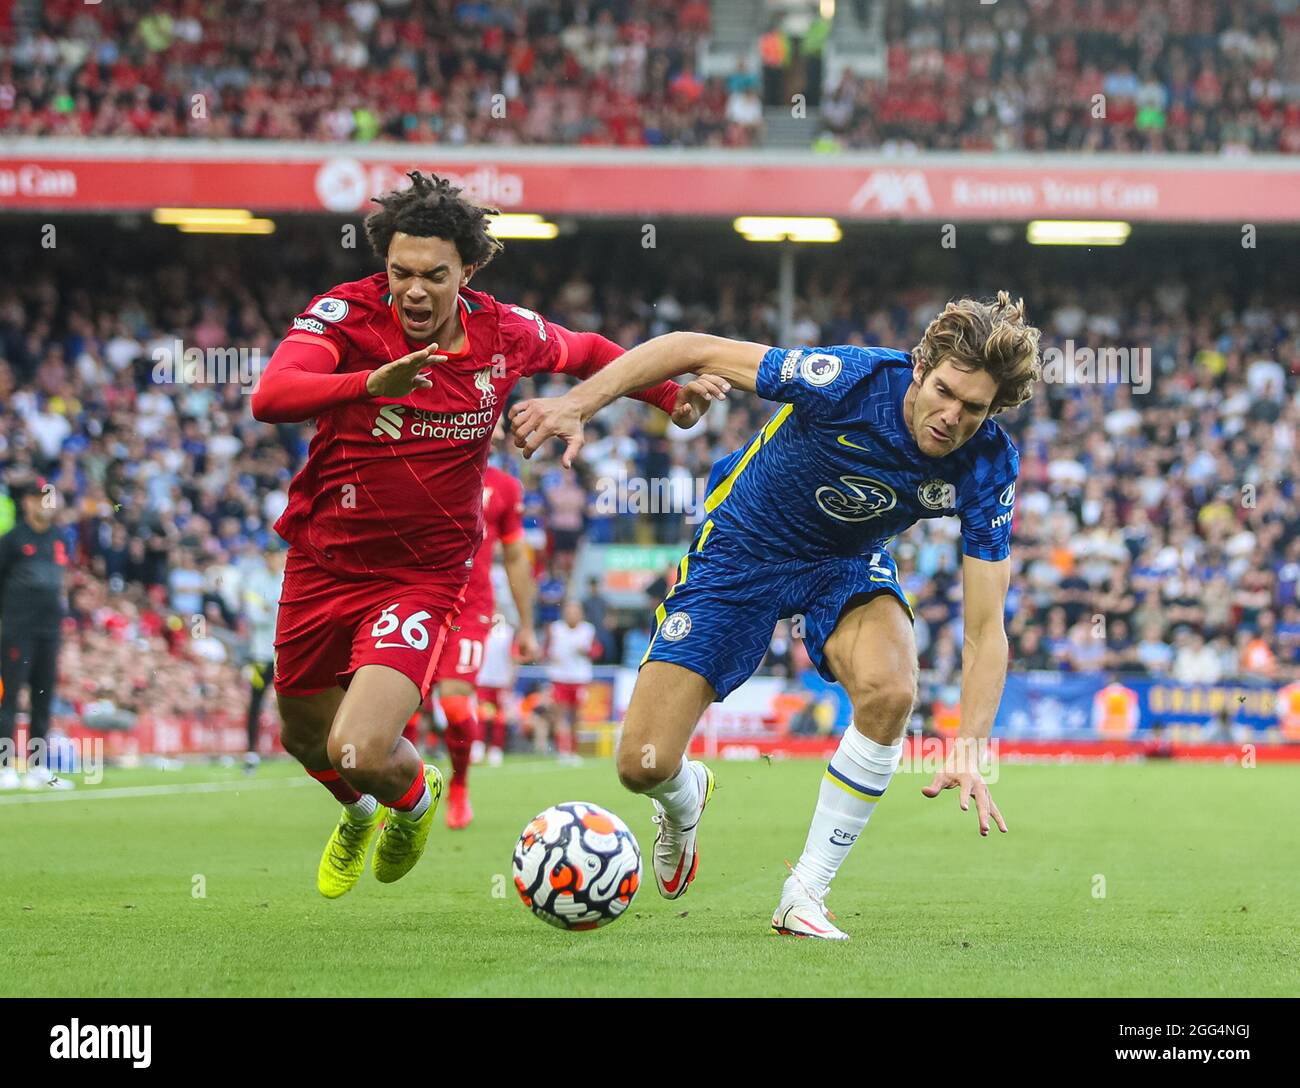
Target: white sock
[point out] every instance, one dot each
(419, 808)
(362, 809)
(680, 795)
(853, 783)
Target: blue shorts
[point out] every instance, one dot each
(718, 619)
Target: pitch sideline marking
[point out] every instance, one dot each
(164, 790)
(112, 792)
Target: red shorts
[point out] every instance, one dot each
(462, 653)
(567, 694)
(329, 627)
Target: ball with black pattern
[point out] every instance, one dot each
(577, 866)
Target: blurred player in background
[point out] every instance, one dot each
(538, 716)
(33, 561)
(406, 373)
(496, 685)
(570, 646)
(867, 441)
(261, 593)
(463, 652)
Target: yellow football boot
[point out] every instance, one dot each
(345, 855)
(402, 840)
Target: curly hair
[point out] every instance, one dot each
(433, 208)
(988, 336)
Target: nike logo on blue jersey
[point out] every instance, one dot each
(843, 440)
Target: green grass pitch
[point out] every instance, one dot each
(1197, 864)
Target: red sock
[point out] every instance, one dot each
(498, 731)
(413, 794)
(494, 723)
(462, 726)
(344, 793)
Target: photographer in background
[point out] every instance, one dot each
(33, 558)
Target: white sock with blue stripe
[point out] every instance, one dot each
(853, 784)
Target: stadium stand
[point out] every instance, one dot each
(1192, 75)
(477, 73)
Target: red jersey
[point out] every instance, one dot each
(394, 487)
(503, 520)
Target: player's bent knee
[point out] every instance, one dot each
(302, 734)
(882, 710)
(352, 750)
(639, 770)
(297, 742)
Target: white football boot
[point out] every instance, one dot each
(675, 855)
(802, 913)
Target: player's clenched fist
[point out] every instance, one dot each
(526, 645)
(400, 377)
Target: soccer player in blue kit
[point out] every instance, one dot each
(798, 523)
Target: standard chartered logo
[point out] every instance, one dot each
(389, 421)
(462, 426)
(458, 426)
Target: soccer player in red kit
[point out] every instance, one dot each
(462, 654)
(406, 373)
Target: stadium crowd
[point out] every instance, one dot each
(480, 72)
(1155, 532)
(1080, 75)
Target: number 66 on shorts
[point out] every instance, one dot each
(328, 628)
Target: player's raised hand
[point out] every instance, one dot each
(694, 398)
(400, 377)
(534, 421)
(971, 784)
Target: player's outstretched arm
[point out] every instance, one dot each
(983, 673)
(589, 353)
(300, 383)
(722, 363)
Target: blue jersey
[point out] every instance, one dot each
(835, 472)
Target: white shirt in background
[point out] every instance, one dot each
(261, 594)
(569, 652)
(498, 669)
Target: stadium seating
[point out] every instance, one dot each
(1076, 75)
(1183, 529)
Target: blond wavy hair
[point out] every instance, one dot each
(988, 336)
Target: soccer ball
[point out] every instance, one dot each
(577, 866)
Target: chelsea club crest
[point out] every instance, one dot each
(937, 495)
